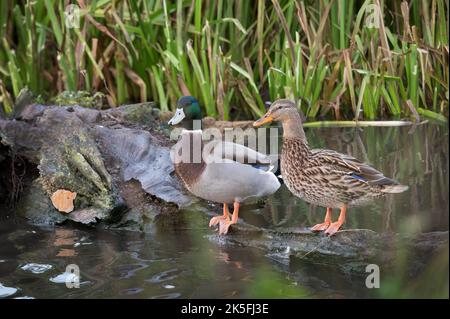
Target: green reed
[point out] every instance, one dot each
(336, 57)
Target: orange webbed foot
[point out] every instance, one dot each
(224, 226)
(333, 228)
(218, 219)
(320, 227)
(326, 223)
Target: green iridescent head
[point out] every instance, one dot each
(188, 108)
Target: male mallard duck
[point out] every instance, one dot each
(220, 171)
(324, 177)
(188, 109)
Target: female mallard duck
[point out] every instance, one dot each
(324, 177)
(222, 172)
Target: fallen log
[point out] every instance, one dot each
(93, 153)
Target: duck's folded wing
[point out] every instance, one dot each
(228, 151)
(352, 166)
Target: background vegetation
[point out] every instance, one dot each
(338, 58)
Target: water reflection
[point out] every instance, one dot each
(178, 260)
(418, 159)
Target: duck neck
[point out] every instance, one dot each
(295, 146)
(293, 128)
(192, 124)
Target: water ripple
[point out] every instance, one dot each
(36, 268)
(164, 276)
(7, 291)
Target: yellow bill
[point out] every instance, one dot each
(267, 118)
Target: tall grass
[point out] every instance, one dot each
(340, 59)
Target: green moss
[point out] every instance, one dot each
(82, 98)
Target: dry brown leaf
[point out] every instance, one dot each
(63, 200)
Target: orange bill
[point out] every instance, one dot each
(267, 118)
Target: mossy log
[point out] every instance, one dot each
(118, 163)
(93, 153)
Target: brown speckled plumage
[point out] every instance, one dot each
(325, 177)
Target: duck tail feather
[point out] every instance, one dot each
(394, 189)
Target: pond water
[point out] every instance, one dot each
(181, 262)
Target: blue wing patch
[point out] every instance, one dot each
(358, 177)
